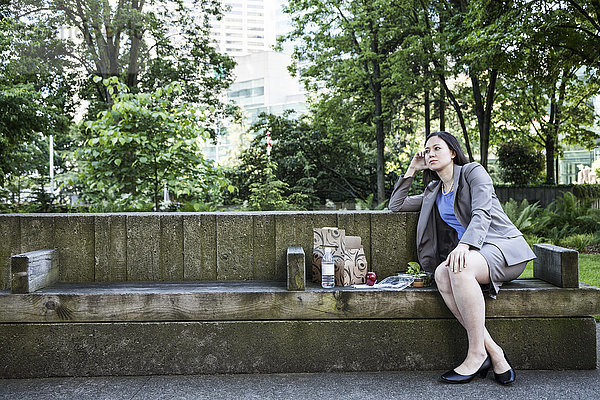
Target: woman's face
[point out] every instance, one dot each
(437, 154)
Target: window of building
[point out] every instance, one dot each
(246, 93)
(256, 28)
(254, 14)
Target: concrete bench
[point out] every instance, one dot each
(259, 326)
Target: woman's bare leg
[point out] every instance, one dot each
(481, 276)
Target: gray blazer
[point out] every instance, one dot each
(477, 209)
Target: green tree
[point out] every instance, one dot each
(576, 28)
(37, 95)
(143, 142)
(520, 163)
(146, 43)
(473, 41)
(548, 96)
(317, 160)
(348, 46)
(20, 119)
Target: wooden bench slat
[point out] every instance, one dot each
(251, 300)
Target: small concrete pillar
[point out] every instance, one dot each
(556, 265)
(296, 270)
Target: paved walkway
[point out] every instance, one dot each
(382, 385)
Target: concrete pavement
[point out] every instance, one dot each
(376, 385)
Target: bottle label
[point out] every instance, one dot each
(327, 268)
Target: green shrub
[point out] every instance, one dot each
(520, 163)
(578, 241)
(566, 216)
(587, 192)
(522, 215)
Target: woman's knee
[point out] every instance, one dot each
(475, 268)
(442, 278)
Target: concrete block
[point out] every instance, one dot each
(264, 263)
(199, 247)
(37, 232)
(102, 248)
(118, 248)
(285, 236)
(143, 247)
(74, 238)
(556, 265)
(10, 244)
(111, 248)
(412, 218)
(34, 270)
(389, 249)
(296, 269)
(171, 247)
(234, 246)
(165, 348)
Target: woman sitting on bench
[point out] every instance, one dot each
(466, 240)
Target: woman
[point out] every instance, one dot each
(466, 240)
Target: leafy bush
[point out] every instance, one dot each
(522, 215)
(567, 217)
(268, 193)
(587, 191)
(578, 241)
(520, 163)
(143, 142)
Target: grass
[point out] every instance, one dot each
(589, 269)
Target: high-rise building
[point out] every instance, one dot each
(247, 27)
(247, 32)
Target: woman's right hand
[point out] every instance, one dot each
(417, 164)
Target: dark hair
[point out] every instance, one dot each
(453, 145)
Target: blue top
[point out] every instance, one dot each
(445, 205)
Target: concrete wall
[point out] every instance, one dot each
(232, 347)
(197, 246)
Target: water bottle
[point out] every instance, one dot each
(327, 270)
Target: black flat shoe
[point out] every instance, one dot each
(452, 377)
(505, 378)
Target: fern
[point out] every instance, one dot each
(522, 215)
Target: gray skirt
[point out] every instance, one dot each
(500, 272)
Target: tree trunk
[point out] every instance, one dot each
(427, 114)
(442, 108)
(460, 116)
(550, 150)
(380, 144)
(136, 38)
(483, 110)
(375, 85)
(553, 128)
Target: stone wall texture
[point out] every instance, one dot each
(124, 247)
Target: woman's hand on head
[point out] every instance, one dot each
(416, 164)
(457, 259)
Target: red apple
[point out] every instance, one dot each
(371, 278)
